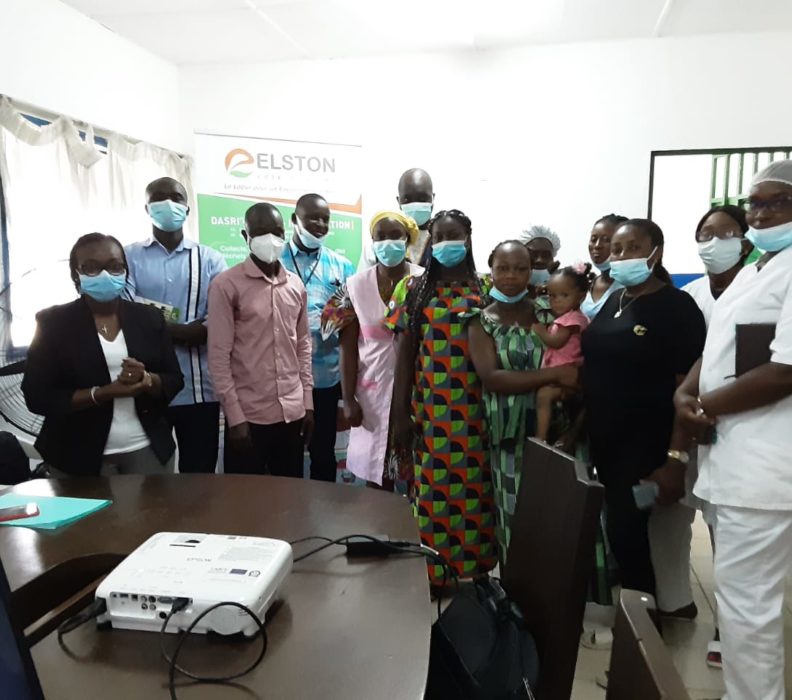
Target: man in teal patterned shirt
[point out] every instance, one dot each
(323, 272)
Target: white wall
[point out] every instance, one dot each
(54, 57)
(550, 134)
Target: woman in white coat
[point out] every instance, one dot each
(746, 470)
(723, 249)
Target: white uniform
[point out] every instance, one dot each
(701, 292)
(747, 474)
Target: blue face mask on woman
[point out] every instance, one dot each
(167, 215)
(631, 273)
(604, 266)
(498, 295)
(104, 286)
(772, 239)
(390, 253)
(449, 253)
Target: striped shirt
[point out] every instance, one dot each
(178, 282)
(323, 272)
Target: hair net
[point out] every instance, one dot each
(780, 171)
(535, 232)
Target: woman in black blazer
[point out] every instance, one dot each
(102, 372)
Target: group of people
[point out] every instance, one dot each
(442, 373)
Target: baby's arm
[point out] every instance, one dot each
(555, 340)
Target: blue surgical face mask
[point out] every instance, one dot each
(539, 277)
(772, 239)
(419, 212)
(308, 239)
(603, 267)
(449, 253)
(167, 215)
(104, 286)
(631, 273)
(498, 295)
(390, 253)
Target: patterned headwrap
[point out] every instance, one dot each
(409, 224)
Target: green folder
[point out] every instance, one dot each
(54, 511)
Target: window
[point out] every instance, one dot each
(60, 181)
(683, 185)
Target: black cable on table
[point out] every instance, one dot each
(398, 547)
(96, 608)
(309, 538)
(173, 666)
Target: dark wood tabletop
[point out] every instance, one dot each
(346, 628)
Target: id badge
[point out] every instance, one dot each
(170, 313)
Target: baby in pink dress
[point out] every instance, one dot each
(566, 290)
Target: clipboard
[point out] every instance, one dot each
(752, 347)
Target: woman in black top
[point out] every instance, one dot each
(636, 351)
(102, 372)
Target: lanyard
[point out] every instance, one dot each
(304, 280)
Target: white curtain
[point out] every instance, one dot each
(58, 186)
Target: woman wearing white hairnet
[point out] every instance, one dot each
(543, 245)
(746, 470)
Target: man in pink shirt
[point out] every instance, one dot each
(260, 354)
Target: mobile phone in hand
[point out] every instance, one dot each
(709, 436)
(646, 494)
(25, 510)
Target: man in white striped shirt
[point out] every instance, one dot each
(173, 273)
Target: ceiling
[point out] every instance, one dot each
(231, 31)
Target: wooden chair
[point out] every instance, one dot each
(551, 558)
(641, 666)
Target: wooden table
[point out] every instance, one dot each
(352, 629)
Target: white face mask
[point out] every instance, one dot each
(267, 248)
(720, 254)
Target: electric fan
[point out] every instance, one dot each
(36, 289)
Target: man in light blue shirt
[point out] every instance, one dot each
(323, 272)
(173, 273)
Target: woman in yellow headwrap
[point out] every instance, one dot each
(368, 351)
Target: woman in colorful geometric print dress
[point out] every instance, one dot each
(437, 395)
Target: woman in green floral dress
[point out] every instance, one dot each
(507, 356)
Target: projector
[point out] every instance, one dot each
(204, 570)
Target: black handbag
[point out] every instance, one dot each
(480, 649)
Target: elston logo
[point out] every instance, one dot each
(239, 163)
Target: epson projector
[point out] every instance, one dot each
(204, 570)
